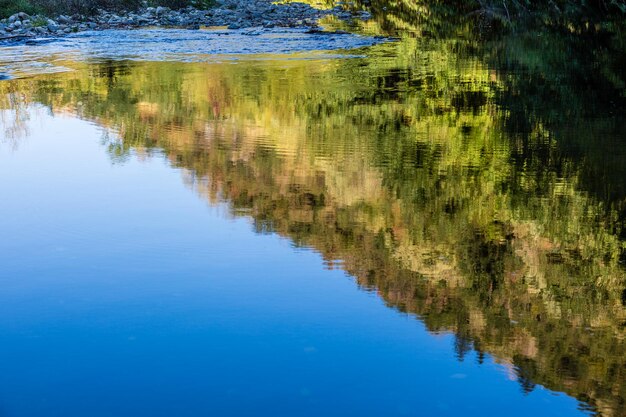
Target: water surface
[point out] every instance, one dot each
(210, 44)
(397, 231)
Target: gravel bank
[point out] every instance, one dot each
(233, 14)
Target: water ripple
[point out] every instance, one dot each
(205, 45)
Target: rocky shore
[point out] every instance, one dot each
(233, 14)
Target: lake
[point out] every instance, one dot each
(329, 226)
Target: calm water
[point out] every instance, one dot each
(409, 228)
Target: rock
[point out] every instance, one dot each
(234, 14)
(52, 26)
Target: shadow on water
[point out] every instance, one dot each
(477, 184)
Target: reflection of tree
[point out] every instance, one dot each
(15, 117)
(405, 168)
(448, 16)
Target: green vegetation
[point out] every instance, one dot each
(9, 7)
(39, 21)
(576, 11)
(570, 13)
(451, 17)
(87, 7)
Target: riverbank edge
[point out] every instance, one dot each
(231, 14)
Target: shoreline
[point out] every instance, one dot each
(230, 14)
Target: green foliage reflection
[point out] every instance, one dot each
(413, 170)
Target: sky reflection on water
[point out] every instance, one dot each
(124, 294)
(432, 227)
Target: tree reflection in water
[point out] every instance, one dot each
(474, 190)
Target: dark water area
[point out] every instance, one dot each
(413, 223)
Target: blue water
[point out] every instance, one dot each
(122, 293)
(40, 56)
